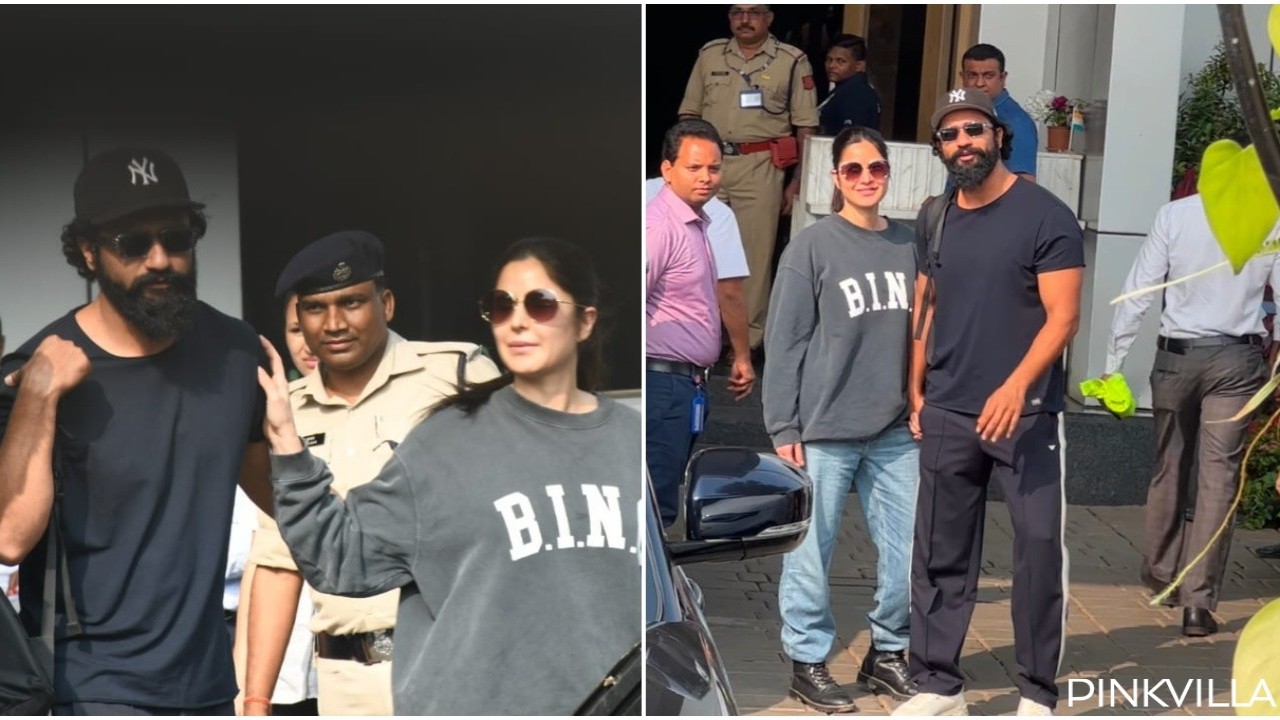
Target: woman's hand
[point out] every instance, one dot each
(277, 423)
(913, 421)
(793, 452)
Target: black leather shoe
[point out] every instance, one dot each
(812, 684)
(1198, 622)
(886, 672)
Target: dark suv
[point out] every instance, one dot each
(741, 504)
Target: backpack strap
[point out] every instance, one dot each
(56, 571)
(935, 216)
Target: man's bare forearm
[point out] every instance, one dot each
(26, 473)
(1045, 350)
(273, 608)
(733, 313)
(802, 134)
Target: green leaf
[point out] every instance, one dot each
(1237, 199)
(1273, 26)
(1257, 658)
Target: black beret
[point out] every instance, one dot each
(333, 262)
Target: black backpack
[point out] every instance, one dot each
(26, 662)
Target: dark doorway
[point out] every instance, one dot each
(675, 34)
(895, 55)
(448, 131)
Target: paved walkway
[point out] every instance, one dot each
(1113, 633)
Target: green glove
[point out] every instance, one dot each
(1114, 393)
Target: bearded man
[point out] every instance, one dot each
(145, 404)
(986, 389)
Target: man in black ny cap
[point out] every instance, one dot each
(146, 402)
(1000, 293)
(372, 388)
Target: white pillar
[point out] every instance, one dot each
(1022, 32)
(1138, 118)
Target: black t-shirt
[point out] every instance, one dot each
(151, 451)
(854, 103)
(988, 301)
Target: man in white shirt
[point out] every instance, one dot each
(1212, 358)
(731, 274)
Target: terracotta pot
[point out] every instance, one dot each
(1059, 139)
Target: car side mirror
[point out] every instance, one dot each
(742, 504)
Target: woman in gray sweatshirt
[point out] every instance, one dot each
(509, 519)
(835, 403)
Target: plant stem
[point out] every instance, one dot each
(1244, 72)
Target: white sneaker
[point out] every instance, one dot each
(1031, 707)
(932, 704)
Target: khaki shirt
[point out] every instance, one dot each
(356, 440)
(716, 84)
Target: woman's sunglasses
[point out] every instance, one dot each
(973, 129)
(541, 305)
(137, 244)
(878, 170)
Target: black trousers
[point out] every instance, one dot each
(955, 468)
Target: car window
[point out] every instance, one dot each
(652, 578)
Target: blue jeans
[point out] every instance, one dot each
(668, 401)
(885, 470)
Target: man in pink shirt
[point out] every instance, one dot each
(681, 308)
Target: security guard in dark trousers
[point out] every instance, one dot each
(759, 94)
(371, 389)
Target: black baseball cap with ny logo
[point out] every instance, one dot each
(118, 183)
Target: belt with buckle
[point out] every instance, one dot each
(369, 648)
(1181, 345)
(745, 148)
(675, 367)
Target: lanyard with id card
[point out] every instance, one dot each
(753, 96)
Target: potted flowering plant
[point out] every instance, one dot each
(1058, 114)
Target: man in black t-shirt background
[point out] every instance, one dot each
(986, 389)
(146, 400)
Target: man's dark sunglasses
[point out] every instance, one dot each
(137, 244)
(541, 305)
(973, 129)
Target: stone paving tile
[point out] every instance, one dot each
(1114, 634)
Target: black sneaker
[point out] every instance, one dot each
(812, 684)
(887, 672)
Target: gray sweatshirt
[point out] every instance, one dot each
(839, 332)
(514, 535)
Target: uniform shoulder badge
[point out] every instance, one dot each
(796, 53)
(433, 348)
(714, 44)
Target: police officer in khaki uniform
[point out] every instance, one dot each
(372, 389)
(755, 91)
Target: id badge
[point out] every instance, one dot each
(698, 412)
(751, 98)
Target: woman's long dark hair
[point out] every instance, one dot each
(570, 268)
(847, 137)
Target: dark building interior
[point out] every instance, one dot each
(449, 132)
